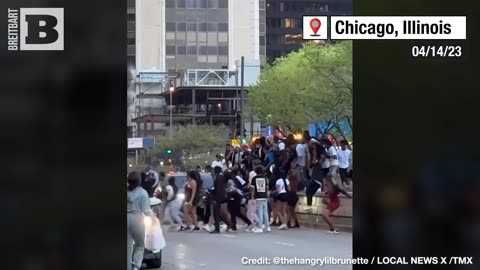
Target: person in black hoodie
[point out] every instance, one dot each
(219, 197)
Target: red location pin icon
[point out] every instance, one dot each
(315, 25)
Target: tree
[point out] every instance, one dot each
(312, 85)
(194, 139)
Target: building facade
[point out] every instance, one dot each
(175, 41)
(284, 23)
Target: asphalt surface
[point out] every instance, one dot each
(201, 250)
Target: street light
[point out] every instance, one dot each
(171, 108)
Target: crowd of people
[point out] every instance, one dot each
(259, 184)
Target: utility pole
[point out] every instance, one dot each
(242, 98)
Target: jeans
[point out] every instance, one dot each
(135, 240)
(343, 175)
(262, 212)
(173, 210)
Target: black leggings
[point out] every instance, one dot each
(234, 207)
(312, 188)
(343, 175)
(218, 215)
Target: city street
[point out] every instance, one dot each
(200, 250)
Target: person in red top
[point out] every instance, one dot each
(332, 202)
(293, 178)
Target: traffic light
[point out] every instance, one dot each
(168, 151)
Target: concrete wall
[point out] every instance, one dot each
(150, 47)
(243, 30)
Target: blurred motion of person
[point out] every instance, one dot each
(138, 204)
(332, 202)
(259, 193)
(318, 165)
(192, 198)
(219, 199)
(293, 179)
(173, 204)
(235, 197)
(344, 162)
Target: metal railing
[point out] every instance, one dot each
(208, 77)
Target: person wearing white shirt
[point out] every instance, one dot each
(301, 160)
(219, 162)
(281, 189)
(344, 161)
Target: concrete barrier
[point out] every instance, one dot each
(342, 217)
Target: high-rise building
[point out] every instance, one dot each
(187, 40)
(284, 22)
(176, 35)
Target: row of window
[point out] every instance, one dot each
(193, 27)
(196, 4)
(284, 23)
(196, 50)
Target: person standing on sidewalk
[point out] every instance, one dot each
(259, 189)
(138, 204)
(344, 162)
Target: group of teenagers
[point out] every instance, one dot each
(259, 184)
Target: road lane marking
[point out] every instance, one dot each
(227, 235)
(285, 244)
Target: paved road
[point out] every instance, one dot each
(200, 250)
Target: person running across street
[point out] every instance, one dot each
(317, 163)
(235, 197)
(174, 204)
(332, 202)
(259, 193)
(219, 199)
(293, 178)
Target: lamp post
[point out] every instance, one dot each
(171, 108)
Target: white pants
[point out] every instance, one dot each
(172, 211)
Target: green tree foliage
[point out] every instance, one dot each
(194, 139)
(313, 84)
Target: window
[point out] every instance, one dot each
(222, 37)
(170, 50)
(181, 50)
(223, 50)
(181, 27)
(170, 27)
(191, 37)
(213, 4)
(131, 41)
(212, 27)
(196, 3)
(170, 4)
(191, 50)
(223, 27)
(289, 23)
(181, 4)
(170, 35)
(223, 4)
(202, 50)
(202, 37)
(212, 50)
(130, 17)
(202, 27)
(262, 40)
(192, 27)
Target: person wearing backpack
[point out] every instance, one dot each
(281, 191)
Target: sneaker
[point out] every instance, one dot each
(334, 231)
(214, 231)
(196, 229)
(257, 230)
(268, 229)
(296, 225)
(232, 231)
(223, 228)
(207, 228)
(283, 227)
(181, 228)
(308, 209)
(274, 224)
